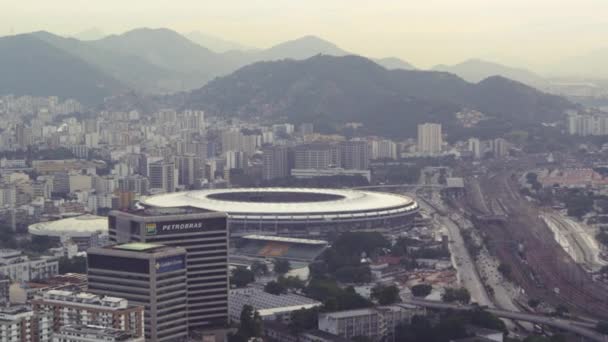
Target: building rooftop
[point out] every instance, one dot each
(138, 246)
(350, 313)
(84, 298)
(168, 211)
(78, 226)
(454, 182)
(285, 239)
(282, 200)
(268, 304)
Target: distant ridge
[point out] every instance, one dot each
(334, 90)
(475, 70)
(31, 66)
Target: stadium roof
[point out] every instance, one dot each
(285, 239)
(79, 226)
(331, 201)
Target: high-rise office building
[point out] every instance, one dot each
(275, 162)
(429, 138)
(354, 155)
(150, 275)
(162, 175)
(204, 235)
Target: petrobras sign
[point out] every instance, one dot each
(168, 264)
(162, 228)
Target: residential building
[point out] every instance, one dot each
(312, 173)
(429, 138)
(500, 147)
(475, 147)
(91, 333)
(20, 323)
(189, 169)
(235, 160)
(383, 149)
(375, 323)
(275, 162)
(354, 155)
(204, 235)
(20, 268)
(162, 175)
(80, 308)
(149, 275)
(313, 156)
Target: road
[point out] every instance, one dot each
(467, 273)
(580, 328)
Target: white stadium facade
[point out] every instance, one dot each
(84, 230)
(297, 212)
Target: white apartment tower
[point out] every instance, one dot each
(429, 138)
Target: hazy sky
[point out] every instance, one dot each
(424, 32)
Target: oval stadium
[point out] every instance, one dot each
(297, 212)
(84, 230)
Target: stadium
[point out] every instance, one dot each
(84, 230)
(297, 212)
(274, 247)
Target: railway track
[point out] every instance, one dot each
(544, 269)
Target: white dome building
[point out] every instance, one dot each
(84, 230)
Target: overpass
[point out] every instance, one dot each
(398, 186)
(580, 328)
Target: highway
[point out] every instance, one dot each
(577, 327)
(465, 266)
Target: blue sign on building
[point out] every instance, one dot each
(169, 264)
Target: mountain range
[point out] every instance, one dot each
(335, 90)
(216, 44)
(163, 61)
(30, 66)
(476, 70)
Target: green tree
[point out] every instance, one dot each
(460, 295)
(533, 303)
(259, 268)
(250, 323)
(303, 319)
(505, 270)
(385, 295)
(487, 320)
(291, 282)
(281, 266)
(561, 310)
(275, 288)
(7, 237)
(77, 264)
(241, 277)
(421, 290)
(602, 327)
(40, 244)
